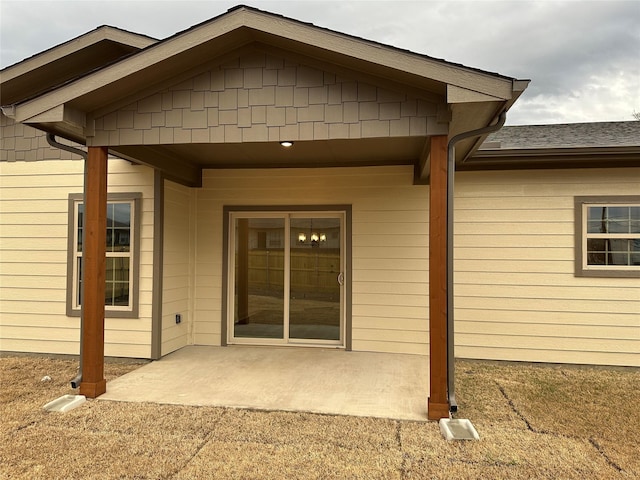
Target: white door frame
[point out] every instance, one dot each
(287, 215)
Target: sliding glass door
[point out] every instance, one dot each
(315, 276)
(259, 278)
(286, 278)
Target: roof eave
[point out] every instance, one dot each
(466, 150)
(36, 75)
(554, 158)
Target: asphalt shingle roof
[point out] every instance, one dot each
(572, 135)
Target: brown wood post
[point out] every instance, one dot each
(93, 383)
(438, 403)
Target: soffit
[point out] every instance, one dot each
(307, 154)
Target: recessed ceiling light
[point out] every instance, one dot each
(286, 144)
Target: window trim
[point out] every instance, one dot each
(582, 270)
(134, 289)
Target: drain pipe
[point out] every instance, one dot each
(451, 165)
(51, 140)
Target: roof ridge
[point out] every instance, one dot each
(336, 32)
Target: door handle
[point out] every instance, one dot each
(340, 279)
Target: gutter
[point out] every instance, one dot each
(451, 166)
(51, 140)
(554, 158)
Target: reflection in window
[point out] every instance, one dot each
(613, 235)
(118, 252)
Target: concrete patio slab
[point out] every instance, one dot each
(283, 378)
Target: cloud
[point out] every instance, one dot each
(582, 56)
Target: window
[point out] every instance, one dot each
(608, 236)
(122, 255)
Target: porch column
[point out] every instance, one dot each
(438, 404)
(93, 383)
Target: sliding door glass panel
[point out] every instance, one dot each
(314, 297)
(259, 278)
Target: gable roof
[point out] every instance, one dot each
(244, 25)
(67, 61)
(466, 98)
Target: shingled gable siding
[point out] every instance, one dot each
(517, 297)
(33, 258)
(259, 98)
(390, 249)
(19, 142)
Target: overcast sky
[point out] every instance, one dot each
(583, 57)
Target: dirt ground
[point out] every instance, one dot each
(555, 422)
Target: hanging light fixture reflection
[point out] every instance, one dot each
(314, 238)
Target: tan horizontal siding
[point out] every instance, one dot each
(177, 284)
(551, 292)
(392, 276)
(400, 299)
(506, 266)
(30, 345)
(533, 354)
(389, 245)
(420, 289)
(30, 282)
(550, 329)
(581, 344)
(415, 347)
(513, 228)
(545, 317)
(33, 258)
(399, 323)
(516, 294)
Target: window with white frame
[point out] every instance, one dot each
(122, 255)
(608, 242)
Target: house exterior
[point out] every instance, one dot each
(218, 234)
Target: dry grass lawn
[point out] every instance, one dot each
(534, 422)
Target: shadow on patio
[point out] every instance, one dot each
(283, 378)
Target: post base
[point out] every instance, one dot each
(436, 411)
(93, 390)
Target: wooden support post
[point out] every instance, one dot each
(438, 403)
(93, 383)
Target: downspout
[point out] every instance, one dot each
(51, 140)
(451, 165)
